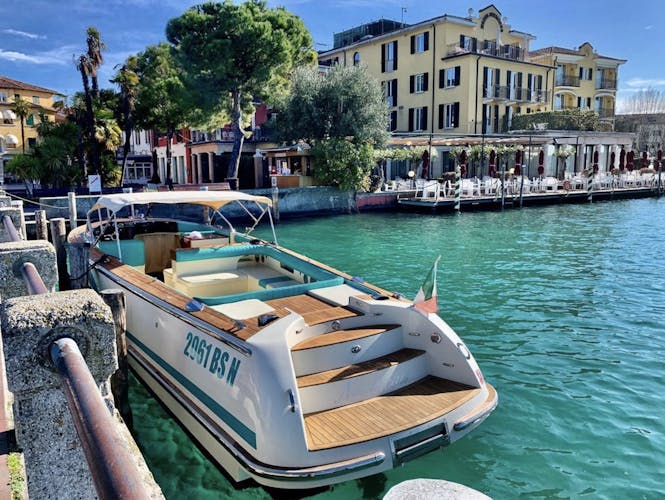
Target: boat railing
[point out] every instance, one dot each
(113, 471)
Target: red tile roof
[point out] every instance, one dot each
(9, 83)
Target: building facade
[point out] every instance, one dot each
(41, 101)
(583, 79)
(471, 75)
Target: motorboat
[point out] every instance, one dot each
(284, 370)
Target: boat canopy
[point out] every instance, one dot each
(212, 199)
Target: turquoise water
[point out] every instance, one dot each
(564, 309)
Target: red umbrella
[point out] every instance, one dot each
(462, 160)
(518, 162)
(630, 165)
(645, 161)
(492, 168)
(595, 161)
(613, 157)
(622, 159)
(541, 161)
(660, 157)
(425, 172)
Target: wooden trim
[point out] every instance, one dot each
(340, 336)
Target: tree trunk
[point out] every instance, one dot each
(23, 134)
(128, 132)
(238, 139)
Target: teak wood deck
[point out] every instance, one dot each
(338, 336)
(381, 416)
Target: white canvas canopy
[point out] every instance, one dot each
(212, 199)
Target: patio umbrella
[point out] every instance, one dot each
(630, 158)
(613, 157)
(659, 155)
(541, 161)
(622, 159)
(492, 167)
(645, 161)
(425, 172)
(462, 162)
(595, 161)
(518, 162)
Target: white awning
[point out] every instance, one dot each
(8, 114)
(11, 140)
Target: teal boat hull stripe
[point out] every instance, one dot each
(236, 425)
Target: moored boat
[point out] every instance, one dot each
(284, 370)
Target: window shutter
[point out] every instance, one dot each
(423, 122)
(485, 77)
(590, 73)
(474, 45)
(581, 72)
(394, 85)
(413, 44)
(461, 40)
(442, 78)
(579, 102)
(383, 58)
(412, 83)
(509, 74)
(456, 115)
(457, 75)
(426, 41)
(540, 82)
(426, 82)
(410, 119)
(395, 52)
(441, 111)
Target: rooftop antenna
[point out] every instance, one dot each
(403, 12)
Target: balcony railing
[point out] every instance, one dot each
(530, 95)
(606, 84)
(567, 81)
(511, 52)
(605, 112)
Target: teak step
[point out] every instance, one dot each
(427, 399)
(339, 336)
(350, 371)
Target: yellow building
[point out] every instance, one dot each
(40, 100)
(583, 79)
(460, 75)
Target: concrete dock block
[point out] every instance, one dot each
(432, 489)
(14, 253)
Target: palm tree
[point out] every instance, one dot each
(128, 81)
(94, 55)
(21, 108)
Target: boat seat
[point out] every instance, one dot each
(211, 284)
(338, 295)
(133, 252)
(243, 309)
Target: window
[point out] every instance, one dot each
(389, 57)
(420, 42)
(32, 142)
(586, 73)
(419, 83)
(3, 96)
(417, 119)
(390, 89)
(449, 77)
(35, 99)
(356, 58)
(30, 120)
(392, 125)
(468, 43)
(449, 115)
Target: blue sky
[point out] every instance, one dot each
(38, 38)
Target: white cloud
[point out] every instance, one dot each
(23, 34)
(61, 56)
(641, 83)
(648, 27)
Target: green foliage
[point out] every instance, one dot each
(233, 53)
(411, 153)
(347, 102)
(567, 119)
(344, 163)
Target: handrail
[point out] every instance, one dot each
(112, 468)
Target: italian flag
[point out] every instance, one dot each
(425, 300)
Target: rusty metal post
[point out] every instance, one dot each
(112, 468)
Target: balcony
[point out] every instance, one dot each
(606, 84)
(488, 48)
(567, 81)
(497, 92)
(530, 95)
(605, 113)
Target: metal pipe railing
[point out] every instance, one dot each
(112, 468)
